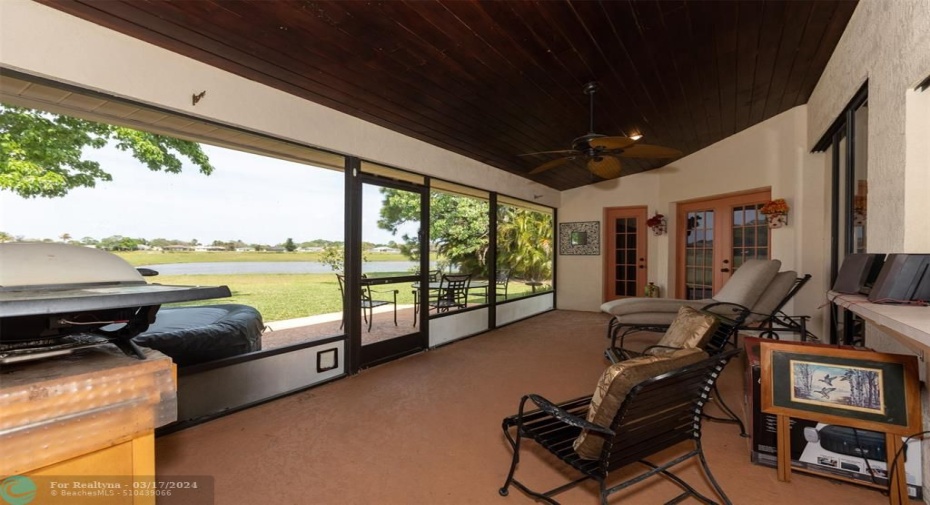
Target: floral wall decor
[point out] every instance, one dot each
(582, 238)
(657, 224)
(776, 212)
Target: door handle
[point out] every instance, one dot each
(724, 269)
(642, 266)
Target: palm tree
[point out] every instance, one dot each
(524, 243)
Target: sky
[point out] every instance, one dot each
(248, 197)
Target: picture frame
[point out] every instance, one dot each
(580, 238)
(856, 388)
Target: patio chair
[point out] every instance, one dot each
(501, 281)
(432, 276)
(768, 315)
(744, 288)
(640, 407)
(714, 329)
(368, 302)
(453, 293)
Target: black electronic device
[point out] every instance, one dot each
(900, 278)
(853, 442)
(858, 273)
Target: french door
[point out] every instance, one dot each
(625, 252)
(715, 237)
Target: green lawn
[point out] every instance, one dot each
(289, 296)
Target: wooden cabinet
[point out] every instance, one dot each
(84, 425)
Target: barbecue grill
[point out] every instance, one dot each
(55, 298)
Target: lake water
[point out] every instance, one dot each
(275, 267)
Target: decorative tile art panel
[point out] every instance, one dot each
(583, 238)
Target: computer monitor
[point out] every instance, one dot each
(903, 278)
(858, 272)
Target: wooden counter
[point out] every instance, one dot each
(92, 413)
(909, 324)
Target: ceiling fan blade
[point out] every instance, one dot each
(551, 164)
(563, 151)
(611, 142)
(605, 167)
(649, 151)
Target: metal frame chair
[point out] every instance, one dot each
(777, 320)
(368, 303)
(769, 324)
(453, 293)
(731, 317)
(432, 276)
(657, 414)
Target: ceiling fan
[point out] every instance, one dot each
(601, 153)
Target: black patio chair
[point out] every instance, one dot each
(501, 281)
(432, 276)
(367, 302)
(730, 319)
(656, 414)
(452, 294)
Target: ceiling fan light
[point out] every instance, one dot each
(636, 136)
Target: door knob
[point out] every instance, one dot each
(724, 269)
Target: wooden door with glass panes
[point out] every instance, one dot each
(715, 237)
(625, 252)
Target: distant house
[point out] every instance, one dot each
(384, 249)
(178, 248)
(244, 249)
(310, 249)
(209, 248)
(275, 249)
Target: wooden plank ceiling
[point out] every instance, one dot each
(493, 79)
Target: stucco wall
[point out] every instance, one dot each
(888, 43)
(771, 154)
(42, 41)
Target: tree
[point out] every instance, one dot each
(289, 245)
(41, 154)
(458, 226)
(524, 243)
(5, 237)
(119, 243)
(334, 257)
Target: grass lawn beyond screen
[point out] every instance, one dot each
(290, 296)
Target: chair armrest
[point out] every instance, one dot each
(563, 415)
(725, 309)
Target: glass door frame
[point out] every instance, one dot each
(611, 214)
(360, 356)
(843, 327)
(722, 206)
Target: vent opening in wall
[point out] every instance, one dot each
(327, 360)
